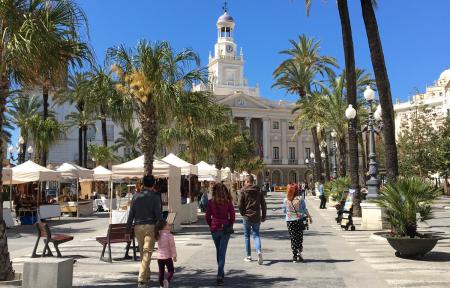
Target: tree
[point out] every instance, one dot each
(22, 110)
(383, 86)
(43, 134)
(155, 79)
(77, 91)
(102, 155)
(129, 138)
(57, 45)
(299, 73)
(442, 153)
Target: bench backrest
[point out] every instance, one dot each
(43, 230)
(118, 231)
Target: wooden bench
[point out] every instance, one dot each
(44, 232)
(117, 233)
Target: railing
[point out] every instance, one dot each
(276, 161)
(230, 57)
(293, 162)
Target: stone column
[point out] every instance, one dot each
(247, 122)
(266, 151)
(284, 142)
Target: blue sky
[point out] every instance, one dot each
(415, 36)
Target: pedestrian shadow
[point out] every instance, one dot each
(233, 278)
(331, 261)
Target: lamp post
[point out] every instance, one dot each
(334, 148)
(20, 151)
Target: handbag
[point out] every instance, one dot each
(228, 229)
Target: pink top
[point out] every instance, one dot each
(219, 214)
(166, 245)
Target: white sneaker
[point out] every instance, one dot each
(260, 258)
(166, 284)
(248, 259)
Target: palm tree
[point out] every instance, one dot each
(105, 101)
(57, 44)
(77, 93)
(22, 110)
(44, 133)
(299, 73)
(102, 155)
(129, 138)
(80, 119)
(383, 86)
(154, 78)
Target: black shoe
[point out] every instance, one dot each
(295, 259)
(300, 258)
(219, 281)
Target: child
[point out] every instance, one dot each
(166, 252)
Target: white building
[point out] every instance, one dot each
(436, 99)
(270, 122)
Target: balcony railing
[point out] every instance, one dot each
(276, 161)
(293, 162)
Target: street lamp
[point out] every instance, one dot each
(333, 137)
(372, 183)
(20, 151)
(30, 151)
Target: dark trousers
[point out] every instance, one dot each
(295, 229)
(221, 243)
(323, 201)
(162, 264)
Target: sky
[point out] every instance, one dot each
(415, 34)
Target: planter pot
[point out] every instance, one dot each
(411, 247)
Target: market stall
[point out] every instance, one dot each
(166, 174)
(29, 202)
(189, 172)
(101, 174)
(207, 172)
(72, 172)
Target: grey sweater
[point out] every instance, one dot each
(145, 209)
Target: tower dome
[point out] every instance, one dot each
(225, 20)
(444, 78)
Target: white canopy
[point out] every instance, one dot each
(31, 172)
(225, 174)
(72, 171)
(102, 174)
(207, 172)
(186, 167)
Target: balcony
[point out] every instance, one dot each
(276, 162)
(293, 162)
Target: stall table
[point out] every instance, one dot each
(119, 216)
(7, 216)
(49, 211)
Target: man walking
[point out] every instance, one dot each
(253, 209)
(323, 199)
(145, 211)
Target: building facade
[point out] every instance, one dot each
(436, 99)
(270, 122)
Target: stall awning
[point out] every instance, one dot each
(186, 167)
(102, 174)
(207, 172)
(72, 171)
(135, 169)
(31, 172)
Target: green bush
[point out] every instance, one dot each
(404, 200)
(336, 188)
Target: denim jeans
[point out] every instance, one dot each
(221, 243)
(254, 227)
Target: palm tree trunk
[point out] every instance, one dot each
(24, 150)
(6, 269)
(384, 89)
(327, 159)
(317, 159)
(45, 92)
(147, 117)
(85, 147)
(80, 146)
(104, 135)
(342, 157)
(350, 74)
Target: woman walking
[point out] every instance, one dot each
(296, 213)
(220, 217)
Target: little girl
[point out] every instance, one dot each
(167, 253)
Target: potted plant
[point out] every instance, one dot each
(404, 203)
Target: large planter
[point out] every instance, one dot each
(412, 247)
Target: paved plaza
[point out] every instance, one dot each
(333, 258)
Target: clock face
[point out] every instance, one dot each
(229, 48)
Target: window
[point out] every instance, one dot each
(276, 153)
(276, 125)
(291, 126)
(110, 132)
(90, 133)
(307, 153)
(292, 153)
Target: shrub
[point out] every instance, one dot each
(336, 188)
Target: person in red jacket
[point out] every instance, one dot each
(220, 216)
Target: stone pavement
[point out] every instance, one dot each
(333, 258)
